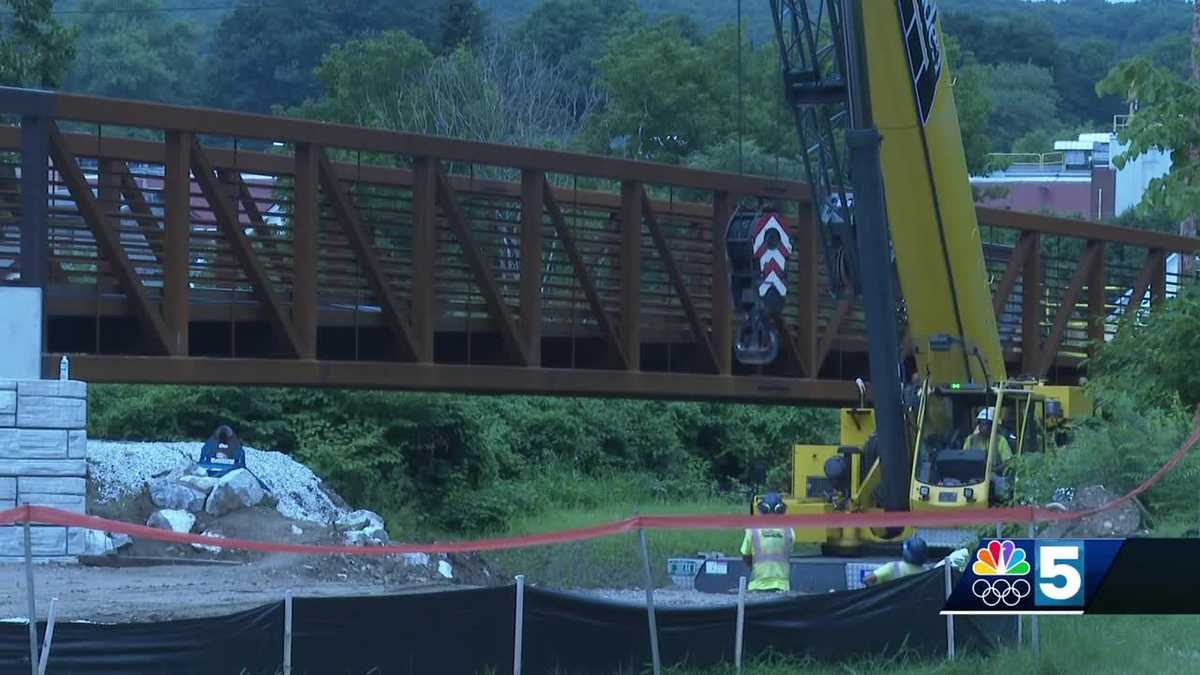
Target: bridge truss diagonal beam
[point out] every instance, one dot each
(579, 267)
(1094, 252)
(108, 242)
(461, 226)
(225, 214)
(677, 282)
(347, 216)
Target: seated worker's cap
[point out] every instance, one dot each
(771, 503)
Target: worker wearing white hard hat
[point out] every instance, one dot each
(983, 435)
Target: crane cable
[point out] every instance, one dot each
(741, 104)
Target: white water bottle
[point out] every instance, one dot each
(63, 368)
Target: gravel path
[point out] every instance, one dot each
(145, 594)
(667, 597)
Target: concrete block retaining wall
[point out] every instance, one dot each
(43, 461)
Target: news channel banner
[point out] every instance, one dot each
(1080, 576)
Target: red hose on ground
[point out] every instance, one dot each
(42, 515)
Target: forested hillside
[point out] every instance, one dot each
(1031, 67)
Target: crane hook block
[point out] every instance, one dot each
(757, 246)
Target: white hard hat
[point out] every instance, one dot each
(984, 415)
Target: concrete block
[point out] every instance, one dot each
(20, 333)
(8, 488)
(33, 444)
(72, 503)
(82, 541)
(43, 467)
(8, 420)
(59, 388)
(8, 402)
(51, 486)
(45, 541)
(6, 385)
(77, 444)
(51, 412)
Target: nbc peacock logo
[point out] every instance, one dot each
(994, 562)
(1000, 558)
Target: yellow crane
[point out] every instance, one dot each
(875, 114)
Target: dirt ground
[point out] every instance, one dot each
(164, 592)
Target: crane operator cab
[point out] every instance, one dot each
(968, 436)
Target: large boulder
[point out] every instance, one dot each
(175, 520)
(359, 520)
(238, 489)
(203, 484)
(368, 536)
(169, 494)
(363, 528)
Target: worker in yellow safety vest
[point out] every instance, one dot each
(912, 560)
(983, 434)
(768, 550)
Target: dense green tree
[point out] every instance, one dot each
(358, 76)
(1166, 120)
(461, 24)
(1022, 98)
(972, 104)
(35, 49)
(266, 52)
(493, 93)
(1004, 39)
(1173, 52)
(572, 35)
(1079, 66)
(671, 92)
(132, 49)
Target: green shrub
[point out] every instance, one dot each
(1119, 449)
(472, 462)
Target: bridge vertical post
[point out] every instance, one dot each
(177, 223)
(35, 185)
(1158, 283)
(807, 293)
(631, 271)
(1096, 304)
(1031, 305)
(532, 214)
(305, 215)
(722, 302)
(424, 253)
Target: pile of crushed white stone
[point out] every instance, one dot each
(168, 474)
(123, 469)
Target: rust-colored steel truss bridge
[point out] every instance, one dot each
(188, 245)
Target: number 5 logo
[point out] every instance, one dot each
(1060, 573)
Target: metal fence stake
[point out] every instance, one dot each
(650, 603)
(33, 640)
(287, 633)
(46, 641)
(949, 617)
(741, 622)
(519, 631)
(1034, 643)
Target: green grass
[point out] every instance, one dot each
(612, 561)
(1077, 644)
